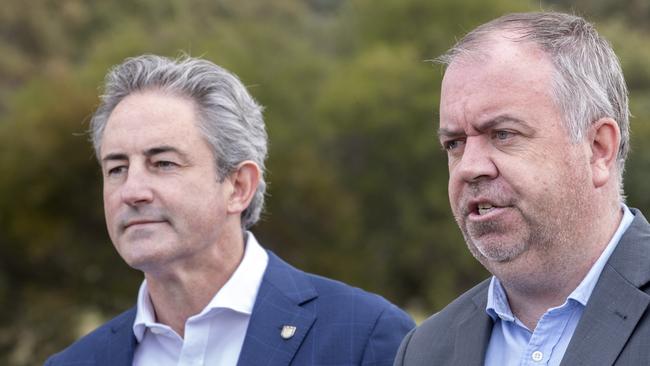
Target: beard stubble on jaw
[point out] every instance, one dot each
(512, 238)
(546, 240)
(474, 232)
(486, 249)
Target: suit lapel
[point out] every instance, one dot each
(121, 343)
(278, 305)
(616, 304)
(473, 333)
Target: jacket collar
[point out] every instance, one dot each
(616, 304)
(277, 327)
(473, 333)
(279, 322)
(121, 342)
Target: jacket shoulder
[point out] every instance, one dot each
(327, 297)
(434, 338)
(85, 349)
(457, 310)
(352, 326)
(344, 299)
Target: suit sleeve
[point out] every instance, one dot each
(387, 334)
(401, 352)
(50, 361)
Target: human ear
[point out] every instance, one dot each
(604, 138)
(244, 181)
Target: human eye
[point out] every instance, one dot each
(451, 145)
(116, 170)
(503, 135)
(165, 165)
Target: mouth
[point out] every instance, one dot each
(483, 208)
(141, 222)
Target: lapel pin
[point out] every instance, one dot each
(287, 331)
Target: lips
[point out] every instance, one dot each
(483, 207)
(141, 222)
(142, 216)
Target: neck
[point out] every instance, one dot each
(184, 289)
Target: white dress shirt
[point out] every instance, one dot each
(215, 335)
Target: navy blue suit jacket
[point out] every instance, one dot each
(335, 325)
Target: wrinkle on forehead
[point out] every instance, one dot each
(143, 120)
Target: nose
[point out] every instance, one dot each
(136, 189)
(476, 162)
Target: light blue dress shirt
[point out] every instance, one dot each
(513, 344)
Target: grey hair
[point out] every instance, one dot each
(229, 118)
(588, 82)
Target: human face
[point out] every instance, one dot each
(517, 184)
(163, 201)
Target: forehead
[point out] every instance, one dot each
(145, 119)
(506, 76)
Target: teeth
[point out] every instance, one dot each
(484, 208)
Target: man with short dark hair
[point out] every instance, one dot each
(182, 147)
(534, 119)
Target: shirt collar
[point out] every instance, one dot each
(497, 301)
(237, 294)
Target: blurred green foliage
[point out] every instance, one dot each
(357, 180)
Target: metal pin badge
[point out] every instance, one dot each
(287, 331)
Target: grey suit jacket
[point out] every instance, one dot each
(614, 328)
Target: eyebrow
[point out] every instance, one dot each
(114, 156)
(148, 153)
(445, 132)
(164, 149)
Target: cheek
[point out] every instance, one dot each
(453, 191)
(197, 208)
(455, 182)
(111, 206)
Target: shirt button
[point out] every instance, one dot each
(537, 356)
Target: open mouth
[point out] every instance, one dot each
(484, 208)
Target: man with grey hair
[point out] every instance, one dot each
(534, 119)
(182, 147)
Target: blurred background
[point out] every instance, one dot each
(358, 182)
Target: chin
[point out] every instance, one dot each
(142, 261)
(496, 251)
(145, 265)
